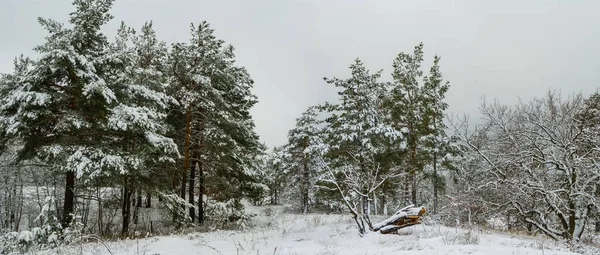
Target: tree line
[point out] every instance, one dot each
(100, 127)
(373, 147)
(133, 115)
(384, 145)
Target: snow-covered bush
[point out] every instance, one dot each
(497, 223)
(226, 215)
(50, 228)
(49, 234)
(460, 237)
(177, 206)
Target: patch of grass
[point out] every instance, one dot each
(460, 237)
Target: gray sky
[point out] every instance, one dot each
(504, 50)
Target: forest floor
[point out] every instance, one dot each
(274, 232)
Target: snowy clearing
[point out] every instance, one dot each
(284, 234)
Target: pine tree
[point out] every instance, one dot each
(58, 107)
(356, 133)
(404, 104)
(434, 91)
(215, 98)
(301, 141)
(137, 119)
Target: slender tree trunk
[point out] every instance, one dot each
(69, 199)
(138, 199)
(191, 188)
(186, 150)
(305, 186)
(138, 205)
(375, 205)
(572, 218)
(199, 163)
(201, 180)
(148, 200)
(126, 210)
(413, 173)
(365, 205)
(275, 197)
(384, 204)
(100, 211)
(435, 179)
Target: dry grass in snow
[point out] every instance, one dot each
(273, 232)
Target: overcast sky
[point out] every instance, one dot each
(504, 50)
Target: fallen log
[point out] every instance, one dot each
(405, 217)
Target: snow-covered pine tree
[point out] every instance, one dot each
(58, 108)
(278, 173)
(355, 134)
(408, 107)
(137, 118)
(215, 99)
(436, 141)
(302, 160)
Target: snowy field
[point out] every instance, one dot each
(292, 234)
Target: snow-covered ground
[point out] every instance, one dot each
(292, 234)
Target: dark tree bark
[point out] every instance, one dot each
(186, 150)
(126, 210)
(274, 194)
(191, 189)
(138, 199)
(201, 180)
(148, 200)
(435, 183)
(138, 205)
(413, 177)
(305, 185)
(383, 198)
(69, 199)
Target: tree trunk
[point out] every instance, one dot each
(572, 217)
(186, 150)
(384, 199)
(305, 186)
(69, 199)
(126, 209)
(138, 199)
(274, 194)
(375, 205)
(365, 205)
(201, 192)
(435, 183)
(100, 213)
(138, 205)
(435, 179)
(191, 189)
(413, 174)
(148, 200)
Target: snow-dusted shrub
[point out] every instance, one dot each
(226, 215)
(50, 229)
(74, 232)
(177, 206)
(50, 233)
(10, 242)
(460, 237)
(497, 223)
(47, 235)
